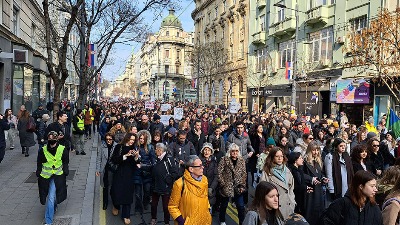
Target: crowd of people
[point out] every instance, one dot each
(294, 168)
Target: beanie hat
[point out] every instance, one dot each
(296, 219)
(335, 124)
(286, 123)
(172, 131)
(271, 141)
(156, 117)
(218, 120)
(371, 135)
(207, 145)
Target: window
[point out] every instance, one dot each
(33, 34)
(261, 59)
(221, 91)
(316, 3)
(280, 12)
(209, 17)
(241, 50)
(177, 34)
(15, 20)
(287, 52)
(166, 53)
(216, 12)
(321, 45)
(224, 5)
(230, 52)
(167, 33)
(233, 2)
(359, 23)
(390, 4)
(241, 84)
(262, 23)
(177, 54)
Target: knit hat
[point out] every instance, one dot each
(286, 123)
(53, 133)
(296, 219)
(271, 141)
(371, 135)
(172, 131)
(218, 120)
(156, 117)
(113, 118)
(207, 145)
(335, 124)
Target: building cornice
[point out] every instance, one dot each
(201, 8)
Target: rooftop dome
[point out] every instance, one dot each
(171, 20)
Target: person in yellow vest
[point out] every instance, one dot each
(371, 126)
(78, 130)
(88, 115)
(188, 204)
(52, 170)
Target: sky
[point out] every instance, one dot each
(122, 52)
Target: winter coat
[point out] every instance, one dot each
(163, 174)
(40, 131)
(391, 211)
(122, 189)
(255, 143)
(343, 211)
(181, 151)
(59, 180)
(128, 124)
(103, 130)
(118, 134)
(220, 142)
(4, 125)
(191, 203)
(197, 140)
(211, 172)
(377, 160)
(37, 114)
(301, 146)
(102, 161)
(231, 177)
(388, 158)
(334, 173)
(156, 126)
(242, 141)
(301, 181)
(147, 160)
(142, 126)
(26, 139)
(286, 191)
(314, 201)
(76, 130)
(60, 129)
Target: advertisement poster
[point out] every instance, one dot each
(352, 91)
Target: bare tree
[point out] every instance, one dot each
(211, 60)
(109, 22)
(375, 49)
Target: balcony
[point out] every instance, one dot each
(261, 4)
(285, 27)
(317, 15)
(173, 39)
(259, 38)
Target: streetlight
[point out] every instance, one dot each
(165, 83)
(296, 36)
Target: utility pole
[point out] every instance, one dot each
(198, 74)
(83, 51)
(295, 61)
(165, 83)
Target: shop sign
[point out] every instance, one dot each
(352, 91)
(256, 92)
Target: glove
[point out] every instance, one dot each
(210, 191)
(180, 220)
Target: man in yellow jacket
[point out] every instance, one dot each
(188, 204)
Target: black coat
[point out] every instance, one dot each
(377, 160)
(314, 201)
(218, 145)
(60, 129)
(60, 181)
(4, 125)
(122, 189)
(357, 166)
(255, 143)
(197, 140)
(163, 174)
(211, 172)
(26, 139)
(343, 212)
(300, 188)
(156, 126)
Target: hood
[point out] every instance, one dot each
(301, 142)
(148, 135)
(198, 188)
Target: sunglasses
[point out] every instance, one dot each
(375, 145)
(199, 166)
(310, 138)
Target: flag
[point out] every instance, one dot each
(288, 71)
(393, 123)
(92, 55)
(194, 83)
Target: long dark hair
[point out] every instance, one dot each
(127, 138)
(258, 204)
(269, 161)
(356, 195)
(356, 153)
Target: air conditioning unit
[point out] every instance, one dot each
(341, 40)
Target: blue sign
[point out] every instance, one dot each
(174, 89)
(140, 93)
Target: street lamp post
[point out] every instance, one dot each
(296, 36)
(165, 83)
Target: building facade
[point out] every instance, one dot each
(315, 54)
(165, 67)
(224, 21)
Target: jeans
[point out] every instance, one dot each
(79, 142)
(125, 210)
(88, 130)
(238, 199)
(2, 153)
(154, 204)
(51, 203)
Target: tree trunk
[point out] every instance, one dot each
(56, 100)
(83, 89)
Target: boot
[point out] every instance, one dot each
(26, 152)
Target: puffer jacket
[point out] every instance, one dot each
(147, 160)
(192, 202)
(243, 141)
(230, 176)
(344, 212)
(301, 146)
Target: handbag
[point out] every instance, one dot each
(31, 126)
(113, 167)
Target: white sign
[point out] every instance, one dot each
(165, 119)
(149, 105)
(234, 107)
(178, 113)
(165, 107)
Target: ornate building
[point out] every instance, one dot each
(224, 21)
(165, 61)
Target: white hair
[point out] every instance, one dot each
(231, 147)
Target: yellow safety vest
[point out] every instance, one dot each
(80, 124)
(90, 113)
(53, 166)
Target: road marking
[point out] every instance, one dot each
(102, 214)
(232, 213)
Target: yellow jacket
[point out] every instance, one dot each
(193, 205)
(371, 128)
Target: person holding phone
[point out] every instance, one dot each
(126, 156)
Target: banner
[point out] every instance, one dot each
(92, 55)
(165, 119)
(149, 105)
(165, 107)
(352, 91)
(178, 113)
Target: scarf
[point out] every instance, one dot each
(336, 171)
(279, 171)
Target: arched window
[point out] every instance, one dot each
(221, 91)
(241, 85)
(205, 96)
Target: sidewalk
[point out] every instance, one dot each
(19, 195)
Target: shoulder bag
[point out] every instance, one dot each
(111, 165)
